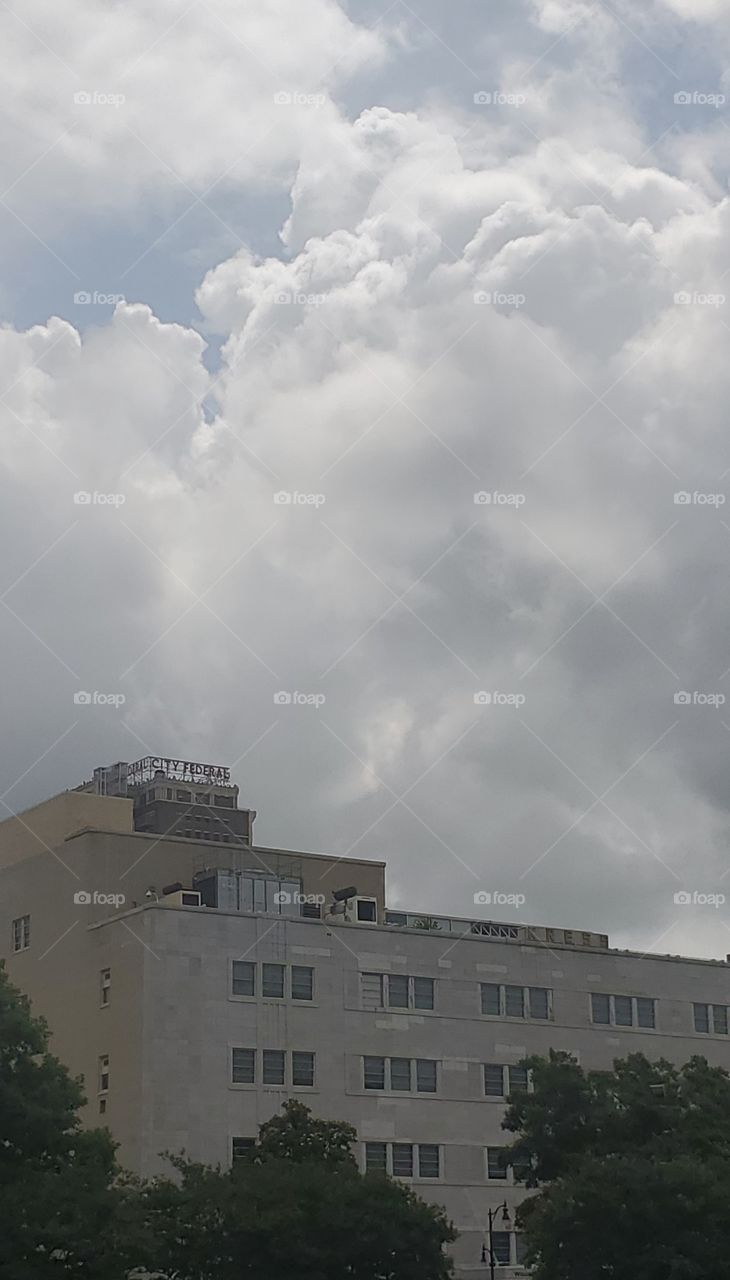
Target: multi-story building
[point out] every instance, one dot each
(196, 984)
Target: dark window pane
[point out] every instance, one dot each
(302, 1069)
(244, 1066)
(517, 1079)
(500, 1247)
(398, 991)
(240, 1147)
(426, 1075)
(244, 978)
(494, 1079)
(273, 1066)
(490, 998)
(272, 981)
(423, 993)
(514, 1002)
(428, 1160)
(719, 1019)
(400, 1073)
(645, 1013)
(538, 1002)
(601, 1009)
(375, 1157)
(702, 1017)
(624, 1012)
(302, 981)
(496, 1163)
(402, 1160)
(374, 1073)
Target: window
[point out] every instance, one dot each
(224, 802)
(182, 795)
(402, 1160)
(243, 1066)
(398, 991)
(425, 1075)
(423, 993)
(366, 911)
(374, 1073)
(302, 981)
(376, 1157)
(244, 978)
(494, 1079)
(104, 1073)
(711, 1019)
(501, 1247)
(429, 1165)
(302, 1069)
(21, 933)
(272, 981)
(241, 1146)
(102, 1106)
(515, 1002)
(400, 1073)
(496, 1164)
(202, 797)
(623, 1011)
(273, 1066)
(371, 990)
(518, 1079)
(105, 982)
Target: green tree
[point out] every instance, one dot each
(296, 1206)
(630, 1170)
(57, 1198)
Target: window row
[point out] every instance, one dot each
(403, 1159)
(248, 1066)
(623, 1011)
(501, 1081)
(711, 1019)
(273, 981)
(500, 1001)
(396, 991)
(400, 1074)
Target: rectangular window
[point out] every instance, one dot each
(302, 982)
(376, 1157)
(272, 981)
(702, 1017)
(518, 1079)
(539, 1005)
(273, 1066)
(402, 1160)
(426, 1076)
(104, 1073)
(490, 998)
(719, 1019)
(398, 991)
(374, 1073)
(423, 993)
(623, 1015)
(600, 1009)
(241, 1146)
(500, 1247)
(400, 1073)
(302, 1069)
(105, 987)
(494, 1079)
(645, 1015)
(371, 990)
(21, 933)
(244, 978)
(243, 1066)
(496, 1164)
(429, 1164)
(514, 1002)
(182, 795)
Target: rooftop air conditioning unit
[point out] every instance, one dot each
(182, 898)
(361, 910)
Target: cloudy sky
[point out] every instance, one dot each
(449, 280)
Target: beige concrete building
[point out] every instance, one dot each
(197, 984)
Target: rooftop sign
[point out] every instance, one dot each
(182, 770)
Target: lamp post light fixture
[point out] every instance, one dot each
(491, 1218)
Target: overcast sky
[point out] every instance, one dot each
(379, 259)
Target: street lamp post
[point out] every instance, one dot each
(491, 1218)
